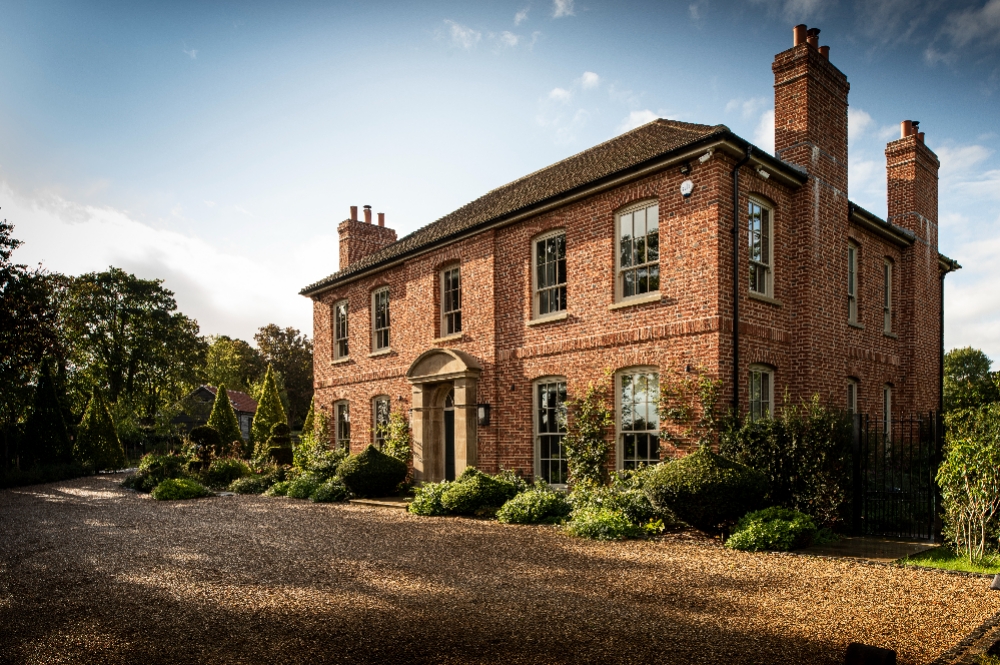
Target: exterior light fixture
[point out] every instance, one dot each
(483, 414)
(762, 173)
(686, 168)
(707, 156)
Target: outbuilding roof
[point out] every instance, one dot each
(241, 401)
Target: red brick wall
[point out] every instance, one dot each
(359, 239)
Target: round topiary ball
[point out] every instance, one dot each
(207, 437)
(372, 473)
(706, 490)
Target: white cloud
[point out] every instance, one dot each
(562, 8)
(191, 53)
(695, 10)
(508, 38)
(210, 204)
(959, 160)
(636, 119)
(589, 80)
(560, 95)
(980, 24)
(747, 107)
(463, 36)
(793, 10)
(226, 293)
(763, 133)
(858, 122)
(972, 301)
(521, 16)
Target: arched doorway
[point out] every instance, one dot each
(443, 420)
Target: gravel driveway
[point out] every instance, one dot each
(92, 573)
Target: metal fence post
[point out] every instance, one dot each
(856, 475)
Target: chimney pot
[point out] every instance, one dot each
(354, 213)
(825, 51)
(812, 37)
(920, 136)
(799, 34)
(905, 128)
(381, 219)
(368, 214)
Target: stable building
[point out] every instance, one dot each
(636, 257)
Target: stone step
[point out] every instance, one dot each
(399, 503)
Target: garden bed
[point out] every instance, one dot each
(90, 572)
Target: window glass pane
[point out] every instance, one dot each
(626, 253)
(625, 227)
(654, 278)
(561, 273)
(639, 250)
(560, 241)
(639, 224)
(652, 246)
(628, 286)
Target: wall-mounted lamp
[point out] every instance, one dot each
(762, 173)
(707, 156)
(686, 168)
(483, 414)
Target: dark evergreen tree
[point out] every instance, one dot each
(97, 442)
(309, 424)
(46, 438)
(223, 419)
(270, 412)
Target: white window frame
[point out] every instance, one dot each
(887, 411)
(341, 345)
(377, 331)
(853, 250)
(557, 288)
(887, 296)
(852, 395)
(377, 438)
(760, 392)
(342, 427)
(451, 300)
(652, 429)
(762, 235)
(555, 426)
(650, 266)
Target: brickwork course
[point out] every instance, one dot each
(799, 328)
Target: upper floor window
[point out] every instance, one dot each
(638, 250)
(550, 274)
(342, 429)
(550, 428)
(451, 301)
(638, 421)
(340, 349)
(852, 283)
(380, 419)
(887, 296)
(852, 396)
(761, 392)
(759, 236)
(380, 319)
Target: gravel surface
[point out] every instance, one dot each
(92, 573)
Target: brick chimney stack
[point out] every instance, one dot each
(360, 239)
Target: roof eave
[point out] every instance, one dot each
(880, 227)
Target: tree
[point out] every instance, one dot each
(290, 353)
(269, 413)
(125, 334)
(309, 424)
(232, 362)
(585, 444)
(46, 439)
(223, 419)
(968, 382)
(97, 443)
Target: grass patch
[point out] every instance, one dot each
(944, 558)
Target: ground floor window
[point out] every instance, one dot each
(342, 429)
(638, 418)
(761, 393)
(380, 419)
(852, 396)
(550, 428)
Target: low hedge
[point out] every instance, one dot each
(331, 491)
(279, 488)
(303, 486)
(600, 523)
(705, 490)
(252, 484)
(222, 472)
(173, 489)
(372, 473)
(539, 505)
(775, 528)
(476, 492)
(153, 469)
(427, 499)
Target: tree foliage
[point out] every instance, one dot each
(968, 382)
(46, 439)
(97, 443)
(270, 412)
(688, 409)
(290, 354)
(223, 419)
(396, 437)
(232, 362)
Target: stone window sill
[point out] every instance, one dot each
(637, 300)
(890, 334)
(854, 324)
(549, 318)
(380, 352)
(341, 361)
(762, 298)
(448, 338)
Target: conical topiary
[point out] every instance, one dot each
(97, 441)
(270, 412)
(223, 419)
(309, 424)
(46, 439)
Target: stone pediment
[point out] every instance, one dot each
(443, 365)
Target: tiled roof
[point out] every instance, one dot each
(241, 401)
(630, 149)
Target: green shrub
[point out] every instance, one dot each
(97, 442)
(153, 469)
(303, 486)
(704, 489)
(396, 437)
(626, 494)
(773, 528)
(269, 413)
(324, 463)
(600, 523)
(372, 473)
(475, 491)
(538, 505)
(252, 484)
(206, 437)
(223, 419)
(222, 472)
(173, 489)
(427, 499)
(331, 491)
(279, 488)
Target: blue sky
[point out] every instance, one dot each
(217, 145)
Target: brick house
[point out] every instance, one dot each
(196, 407)
(625, 257)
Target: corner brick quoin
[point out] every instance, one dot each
(803, 324)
